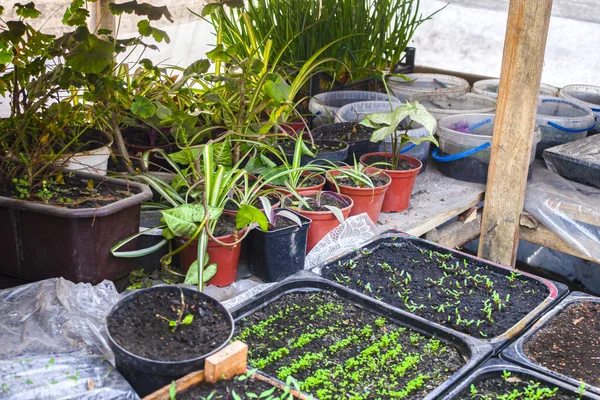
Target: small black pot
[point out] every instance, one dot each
(278, 254)
(335, 156)
(147, 375)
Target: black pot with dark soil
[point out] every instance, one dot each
(139, 141)
(355, 135)
(165, 332)
(565, 343)
(338, 344)
(326, 152)
(453, 289)
(500, 380)
(278, 253)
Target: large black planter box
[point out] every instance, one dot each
(495, 368)
(39, 241)
(473, 351)
(555, 290)
(515, 352)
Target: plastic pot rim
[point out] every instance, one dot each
(393, 173)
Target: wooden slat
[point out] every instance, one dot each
(457, 233)
(227, 363)
(524, 48)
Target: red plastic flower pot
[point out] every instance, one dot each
(366, 200)
(226, 257)
(304, 191)
(323, 222)
(397, 198)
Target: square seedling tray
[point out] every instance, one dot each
(498, 377)
(338, 343)
(578, 161)
(565, 327)
(461, 292)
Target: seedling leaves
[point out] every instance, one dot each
(248, 214)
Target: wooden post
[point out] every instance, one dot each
(102, 18)
(522, 63)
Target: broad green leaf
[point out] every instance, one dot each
(197, 67)
(382, 133)
(209, 272)
(210, 8)
(142, 107)
(186, 156)
(188, 319)
(91, 55)
(276, 88)
(163, 112)
(219, 53)
(222, 154)
(422, 116)
(248, 215)
(6, 55)
(145, 10)
(146, 30)
(76, 15)
(27, 10)
(214, 213)
(183, 220)
(191, 278)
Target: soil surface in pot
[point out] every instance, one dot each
(71, 192)
(345, 132)
(516, 387)
(138, 328)
(282, 222)
(273, 199)
(403, 165)
(225, 225)
(307, 182)
(441, 287)
(241, 387)
(570, 343)
(337, 350)
(317, 149)
(378, 180)
(312, 202)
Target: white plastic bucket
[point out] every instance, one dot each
(356, 112)
(466, 155)
(427, 83)
(489, 87)
(586, 94)
(92, 161)
(325, 106)
(562, 121)
(442, 105)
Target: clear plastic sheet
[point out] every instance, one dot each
(570, 210)
(52, 327)
(578, 160)
(353, 233)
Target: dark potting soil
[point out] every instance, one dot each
(345, 132)
(515, 387)
(403, 165)
(570, 343)
(273, 199)
(240, 386)
(312, 202)
(70, 192)
(338, 350)
(137, 327)
(378, 180)
(225, 225)
(441, 287)
(283, 222)
(311, 181)
(317, 149)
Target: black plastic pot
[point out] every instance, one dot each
(275, 255)
(578, 161)
(39, 241)
(516, 354)
(474, 351)
(355, 148)
(494, 368)
(556, 290)
(146, 375)
(151, 262)
(324, 158)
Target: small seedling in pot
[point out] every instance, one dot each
(181, 320)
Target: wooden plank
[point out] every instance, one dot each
(436, 200)
(523, 59)
(182, 384)
(101, 17)
(227, 363)
(458, 233)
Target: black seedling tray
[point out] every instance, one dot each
(578, 161)
(556, 290)
(495, 367)
(516, 354)
(474, 350)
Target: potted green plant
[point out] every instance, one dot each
(364, 185)
(279, 242)
(401, 168)
(325, 209)
(57, 222)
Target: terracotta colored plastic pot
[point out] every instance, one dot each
(366, 200)
(226, 257)
(397, 198)
(302, 191)
(322, 221)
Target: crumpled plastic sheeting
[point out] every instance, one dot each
(55, 326)
(556, 203)
(352, 234)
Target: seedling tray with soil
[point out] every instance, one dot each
(565, 343)
(501, 380)
(461, 292)
(339, 345)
